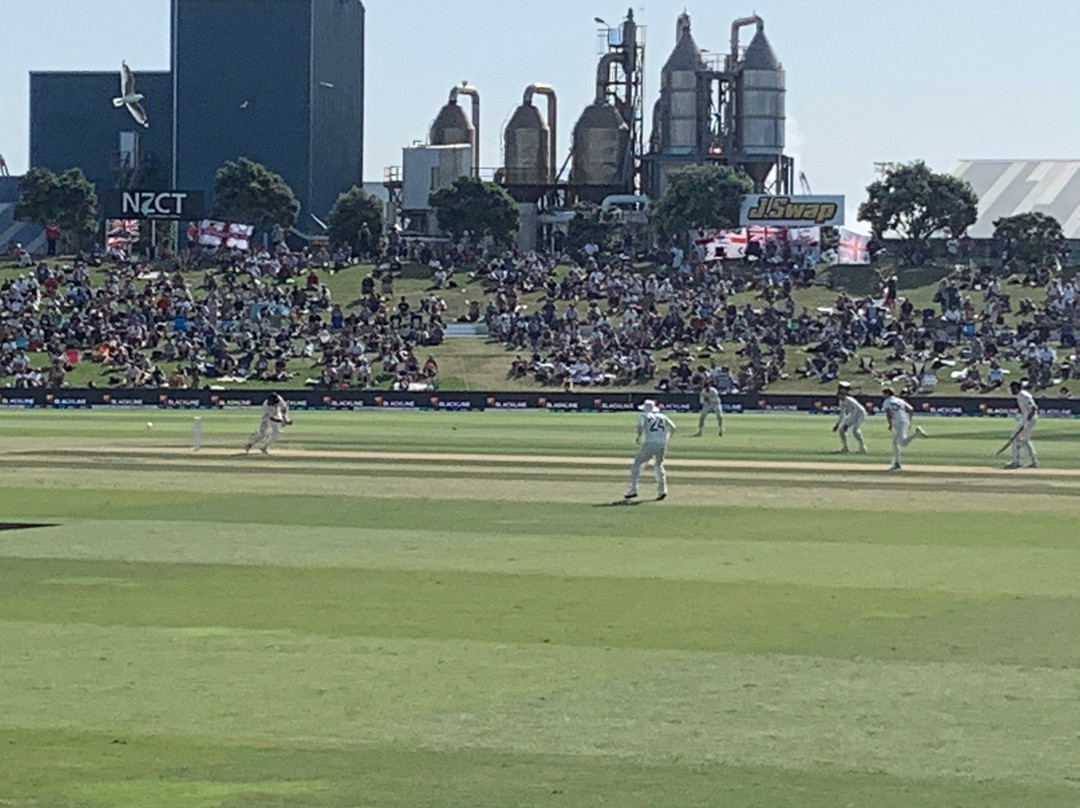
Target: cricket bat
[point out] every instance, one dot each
(1010, 442)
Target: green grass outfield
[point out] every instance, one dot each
(438, 609)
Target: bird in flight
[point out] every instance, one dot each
(129, 98)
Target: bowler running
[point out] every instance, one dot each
(898, 413)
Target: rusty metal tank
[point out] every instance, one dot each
(451, 127)
(529, 141)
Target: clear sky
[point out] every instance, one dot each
(867, 81)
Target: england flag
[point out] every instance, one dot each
(853, 248)
(716, 245)
(226, 235)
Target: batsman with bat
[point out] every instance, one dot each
(275, 417)
(1025, 423)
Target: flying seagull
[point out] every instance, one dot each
(129, 98)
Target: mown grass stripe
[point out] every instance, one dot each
(739, 617)
(720, 558)
(789, 518)
(913, 720)
(57, 767)
(825, 464)
(867, 478)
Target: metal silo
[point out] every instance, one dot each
(681, 116)
(451, 127)
(607, 137)
(529, 141)
(680, 111)
(760, 108)
(601, 142)
(600, 146)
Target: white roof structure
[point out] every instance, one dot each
(1008, 187)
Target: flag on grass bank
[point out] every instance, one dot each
(713, 245)
(853, 248)
(120, 234)
(230, 235)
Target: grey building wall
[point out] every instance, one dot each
(73, 124)
(249, 78)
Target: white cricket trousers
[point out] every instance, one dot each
(705, 415)
(1023, 441)
(855, 427)
(647, 452)
(900, 438)
(267, 434)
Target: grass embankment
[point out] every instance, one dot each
(480, 364)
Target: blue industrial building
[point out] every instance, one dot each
(74, 124)
(278, 81)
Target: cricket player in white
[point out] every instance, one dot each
(852, 416)
(1025, 423)
(898, 413)
(653, 430)
(275, 416)
(710, 403)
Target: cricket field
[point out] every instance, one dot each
(438, 609)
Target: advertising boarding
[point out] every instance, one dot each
(134, 204)
(770, 210)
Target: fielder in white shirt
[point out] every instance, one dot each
(653, 430)
(852, 416)
(1025, 423)
(275, 416)
(898, 413)
(710, 404)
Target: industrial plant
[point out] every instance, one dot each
(711, 108)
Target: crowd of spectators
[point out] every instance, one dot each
(268, 316)
(606, 322)
(246, 317)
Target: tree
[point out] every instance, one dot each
(356, 221)
(478, 208)
(701, 197)
(69, 200)
(77, 207)
(590, 225)
(915, 203)
(249, 192)
(38, 197)
(1034, 238)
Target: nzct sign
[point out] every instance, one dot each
(791, 211)
(185, 205)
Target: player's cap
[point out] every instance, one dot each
(1015, 385)
(649, 406)
(887, 391)
(844, 385)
